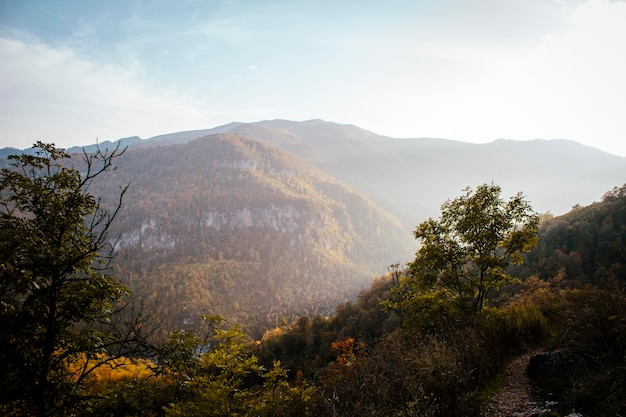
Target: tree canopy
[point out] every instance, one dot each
(56, 299)
(466, 252)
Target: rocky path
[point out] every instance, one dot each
(515, 398)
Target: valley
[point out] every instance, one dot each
(265, 222)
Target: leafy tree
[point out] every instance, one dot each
(466, 252)
(56, 300)
(219, 375)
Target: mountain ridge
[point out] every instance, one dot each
(412, 176)
(188, 135)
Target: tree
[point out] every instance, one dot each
(56, 301)
(219, 375)
(466, 252)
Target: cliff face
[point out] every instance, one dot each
(304, 226)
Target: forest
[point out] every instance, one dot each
(491, 279)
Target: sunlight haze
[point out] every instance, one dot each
(73, 72)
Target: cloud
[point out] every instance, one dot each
(52, 94)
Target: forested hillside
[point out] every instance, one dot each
(204, 219)
(432, 338)
(228, 225)
(434, 358)
(586, 245)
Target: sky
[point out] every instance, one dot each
(73, 72)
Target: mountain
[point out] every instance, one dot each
(224, 224)
(412, 177)
(416, 175)
(276, 219)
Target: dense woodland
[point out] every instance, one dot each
(83, 335)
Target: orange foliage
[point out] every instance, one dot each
(348, 350)
(102, 370)
(299, 378)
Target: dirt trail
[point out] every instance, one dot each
(515, 399)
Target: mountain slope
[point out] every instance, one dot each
(585, 245)
(411, 177)
(228, 225)
(416, 175)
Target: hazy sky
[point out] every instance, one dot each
(74, 71)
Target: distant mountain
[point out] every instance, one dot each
(228, 225)
(416, 175)
(5, 152)
(412, 177)
(184, 137)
